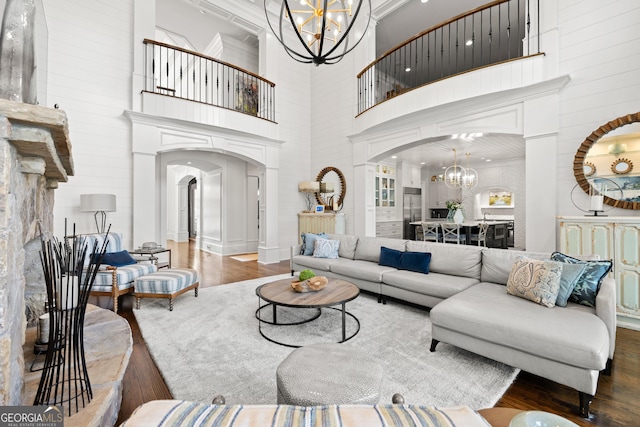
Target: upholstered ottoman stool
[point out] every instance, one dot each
(166, 284)
(326, 374)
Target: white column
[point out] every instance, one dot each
(144, 27)
(268, 249)
(541, 172)
(146, 206)
(364, 199)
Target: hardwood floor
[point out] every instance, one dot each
(615, 403)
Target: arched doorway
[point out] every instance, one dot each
(155, 139)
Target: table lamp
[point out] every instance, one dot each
(100, 204)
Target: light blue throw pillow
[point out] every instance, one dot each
(568, 280)
(588, 284)
(308, 242)
(326, 248)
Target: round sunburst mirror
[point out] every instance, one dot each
(333, 177)
(622, 166)
(595, 154)
(589, 169)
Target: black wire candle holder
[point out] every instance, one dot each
(65, 380)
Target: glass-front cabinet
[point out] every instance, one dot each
(385, 186)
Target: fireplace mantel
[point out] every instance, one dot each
(40, 132)
(35, 156)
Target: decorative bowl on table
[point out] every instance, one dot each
(540, 419)
(313, 284)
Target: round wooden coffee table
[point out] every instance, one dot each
(281, 294)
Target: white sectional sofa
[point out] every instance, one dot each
(470, 307)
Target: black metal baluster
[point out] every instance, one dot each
(509, 30)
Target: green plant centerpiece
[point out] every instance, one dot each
(309, 282)
(306, 274)
(455, 205)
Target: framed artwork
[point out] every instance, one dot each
(500, 199)
(319, 208)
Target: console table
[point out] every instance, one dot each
(330, 223)
(616, 238)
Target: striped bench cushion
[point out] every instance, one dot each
(126, 275)
(167, 281)
(172, 413)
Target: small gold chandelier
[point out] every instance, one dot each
(324, 28)
(469, 176)
(453, 174)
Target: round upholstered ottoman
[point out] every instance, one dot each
(326, 374)
(168, 283)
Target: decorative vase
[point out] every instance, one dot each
(17, 52)
(458, 216)
(450, 215)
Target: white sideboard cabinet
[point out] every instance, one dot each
(615, 238)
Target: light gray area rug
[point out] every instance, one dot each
(211, 345)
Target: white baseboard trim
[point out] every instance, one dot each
(628, 322)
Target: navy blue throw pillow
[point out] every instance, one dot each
(416, 261)
(118, 259)
(410, 261)
(390, 257)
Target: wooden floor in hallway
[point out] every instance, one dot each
(615, 403)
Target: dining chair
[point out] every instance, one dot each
(452, 233)
(481, 236)
(431, 231)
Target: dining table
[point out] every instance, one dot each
(496, 234)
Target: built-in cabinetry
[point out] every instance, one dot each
(616, 238)
(411, 175)
(385, 186)
(333, 223)
(439, 193)
(391, 229)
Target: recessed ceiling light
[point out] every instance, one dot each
(188, 163)
(394, 157)
(422, 163)
(487, 160)
(469, 42)
(424, 1)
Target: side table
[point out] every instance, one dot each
(152, 255)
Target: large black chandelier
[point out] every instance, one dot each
(319, 31)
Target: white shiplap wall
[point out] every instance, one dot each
(599, 47)
(89, 76)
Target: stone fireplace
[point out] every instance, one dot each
(35, 155)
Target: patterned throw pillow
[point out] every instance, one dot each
(326, 248)
(588, 283)
(535, 280)
(308, 242)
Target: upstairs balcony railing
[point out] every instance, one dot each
(184, 74)
(497, 32)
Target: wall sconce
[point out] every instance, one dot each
(100, 204)
(310, 188)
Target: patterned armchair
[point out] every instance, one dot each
(115, 281)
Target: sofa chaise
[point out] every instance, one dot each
(465, 287)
